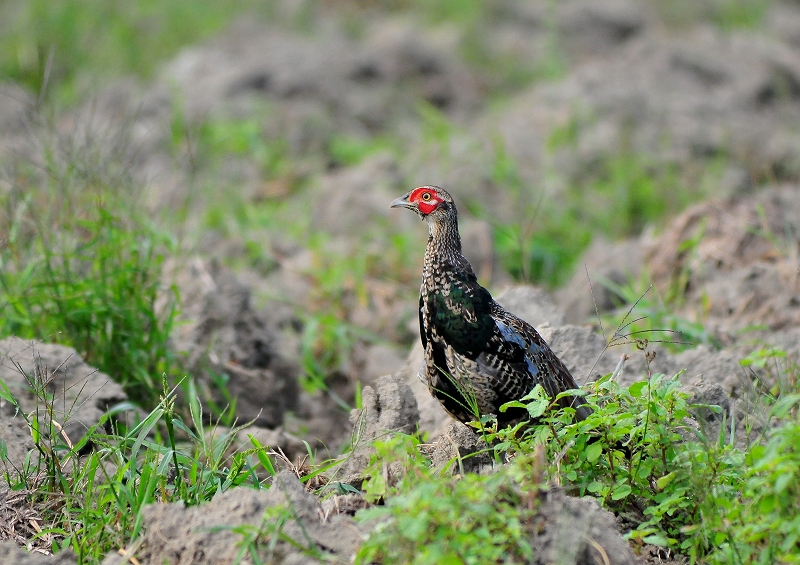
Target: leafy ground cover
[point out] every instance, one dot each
(703, 494)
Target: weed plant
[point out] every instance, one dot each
(726, 14)
(704, 494)
(653, 316)
(431, 519)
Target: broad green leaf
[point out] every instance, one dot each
(593, 452)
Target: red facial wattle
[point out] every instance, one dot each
(426, 199)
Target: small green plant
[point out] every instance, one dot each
(219, 139)
(539, 243)
(726, 14)
(263, 542)
(696, 491)
(428, 519)
(344, 284)
(626, 190)
(778, 373)
(347, 150)
(764, 521)
(95, 284)
(618, 195)
(81, 259)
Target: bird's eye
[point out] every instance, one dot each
(426, 196)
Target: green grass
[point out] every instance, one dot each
(618, 196)
(67, 45)
(92, 504)
(71, 39)
(341, 277)
(430, 519)
(703, 493)
(621, 194)
(81, 265)
(99, 297)
(343, 283)
(345, 150)
(725, 14)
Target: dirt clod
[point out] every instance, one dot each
(459, 450)
(80, 393)
(225, 337)
(576, 531)
(11, 554)
(389, 407)
(204, 535)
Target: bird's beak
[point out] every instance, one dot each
(403, 202)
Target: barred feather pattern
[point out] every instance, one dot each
(478, 356)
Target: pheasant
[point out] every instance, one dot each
(478, 356)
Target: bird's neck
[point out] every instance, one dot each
(443, 252)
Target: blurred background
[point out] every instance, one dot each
(202, 187)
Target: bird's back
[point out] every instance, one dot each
(479, 356)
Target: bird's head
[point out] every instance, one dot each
(431, 203)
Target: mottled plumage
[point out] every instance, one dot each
(477, 355)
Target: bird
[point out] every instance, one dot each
(478, 356)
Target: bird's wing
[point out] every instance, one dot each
(507, 350)
(505, 358)
(539, 360)
(461, 316)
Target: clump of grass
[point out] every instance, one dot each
(81, 265)
(99, 295)
(624, 190)
(344, 283)
(346, 150)
(726, 14)
(696, 492)
(617, 196)
(762, 524)
(220, 139)
(540, 242)
(92, 503)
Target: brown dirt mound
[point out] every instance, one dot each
(214, 533)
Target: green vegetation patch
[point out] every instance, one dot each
(81, 265)
(61, 41)
(699, 492)
(92, 503)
